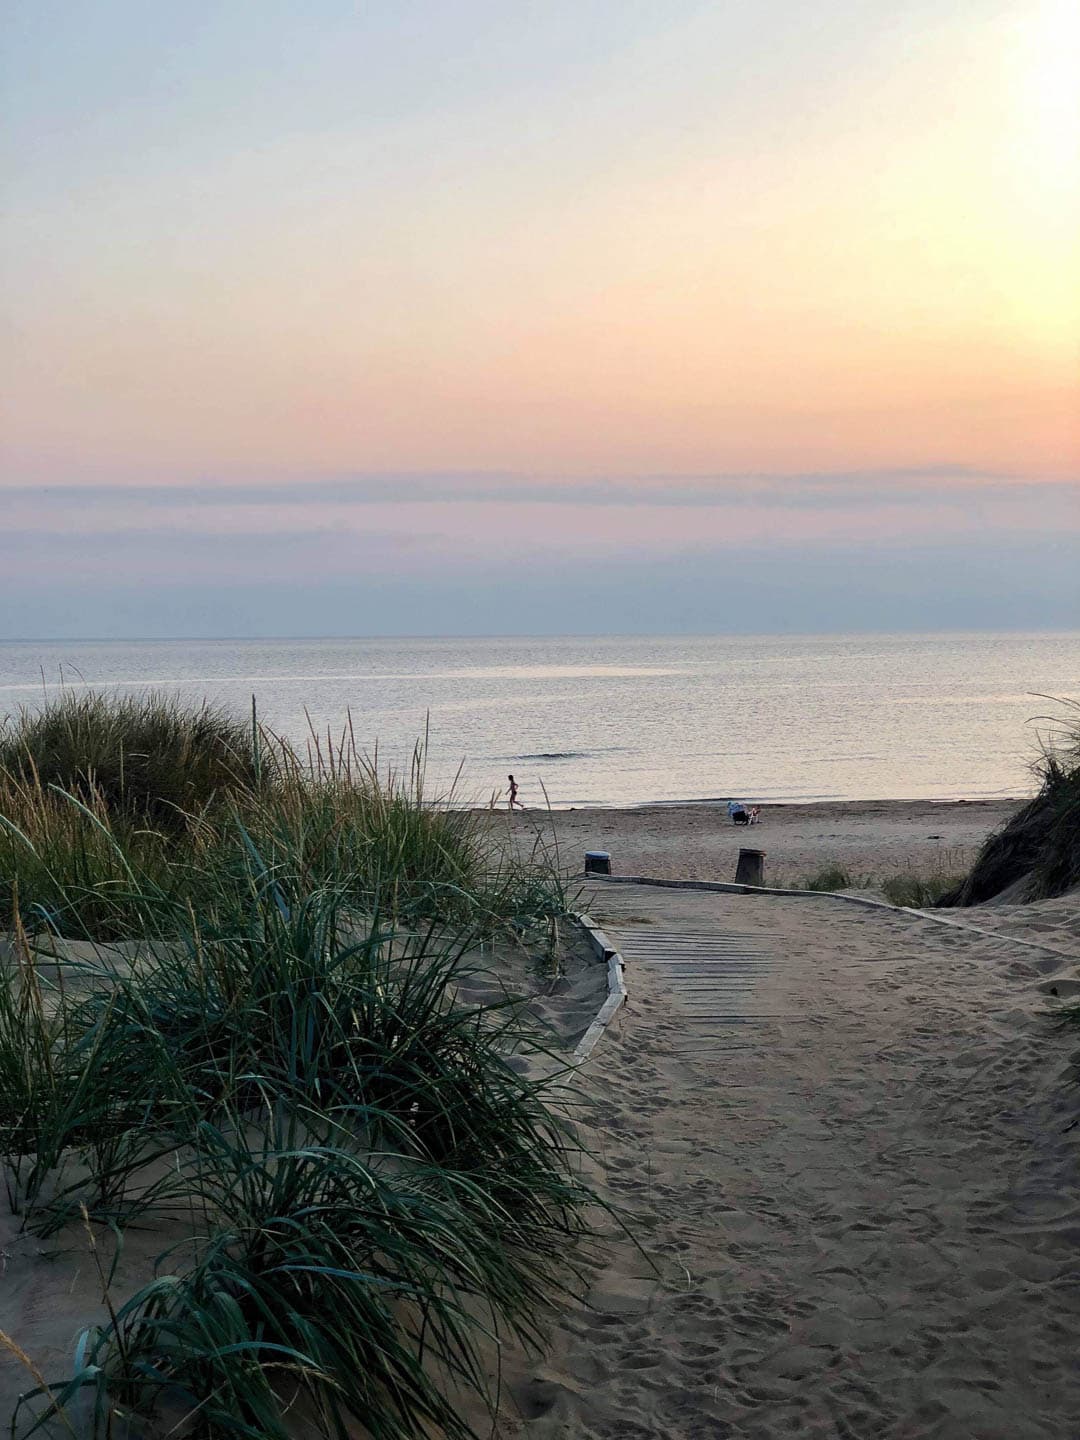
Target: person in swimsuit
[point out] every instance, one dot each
(513, 794)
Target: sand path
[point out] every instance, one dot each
(842, 1137)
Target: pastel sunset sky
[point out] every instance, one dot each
(539, 315)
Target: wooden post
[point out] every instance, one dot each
(751, 868)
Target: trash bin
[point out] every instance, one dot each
(597, 862)
(751, 868)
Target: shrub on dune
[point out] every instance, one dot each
(1036, 855)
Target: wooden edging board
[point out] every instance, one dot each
(616, 995)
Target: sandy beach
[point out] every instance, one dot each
(872, 839)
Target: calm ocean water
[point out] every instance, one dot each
(620, 721)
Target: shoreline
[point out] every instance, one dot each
(817, 803)
(748, 798)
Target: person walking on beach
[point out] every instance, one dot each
(513, 794)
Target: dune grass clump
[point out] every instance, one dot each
(86, 835)
(82, 870)
(830, 877)
(917, 892)
(908, 888)
(105, 799)
(375, 1187)
(326, 1295)
(1036, 855)
(150, 758)
(338, 821)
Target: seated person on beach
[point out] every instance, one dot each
(742, 814)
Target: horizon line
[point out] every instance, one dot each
(540, 635)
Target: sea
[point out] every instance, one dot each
(618, 720)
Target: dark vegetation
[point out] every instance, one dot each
(280, 1052)
(1036, 855)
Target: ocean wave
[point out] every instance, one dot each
(555, 755)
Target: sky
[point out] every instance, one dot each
(456, 316)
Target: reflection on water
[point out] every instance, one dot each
(72, 677)
(618, 721)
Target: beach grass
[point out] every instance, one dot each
(916, 891)
(830, 877)
(85, 842)
(1036, 855)
(279, 1056)
(150, 758)
(910, 889)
